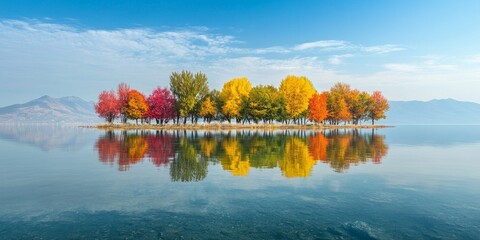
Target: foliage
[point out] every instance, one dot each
(337, 103)
(208, 109)
(379, 105)
(122, 93)
(359, 105)
(161, 105)
(107, 106)
(296, 92)
(137, 106)
(189, 90)
(317, 107)
(264, 103)
(232, 94)
(296, 99)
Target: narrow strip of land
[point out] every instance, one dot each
(226, 126)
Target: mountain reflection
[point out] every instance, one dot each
(188, 154)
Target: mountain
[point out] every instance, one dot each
(434, 112)
(50, 110)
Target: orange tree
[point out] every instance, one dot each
(137, 106)
(317, 107)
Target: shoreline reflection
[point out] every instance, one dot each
(188, 154)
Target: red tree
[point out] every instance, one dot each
(317, 107)
(107, 106)
(161, 105)
(379, 106)
(122, 92)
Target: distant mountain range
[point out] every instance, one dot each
(50, 110)
(76, 110)
(433, 112)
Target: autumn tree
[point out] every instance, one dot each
(232, 94)
(379, 105)
(161, 105)
(296, 92)
(137, 106)
(358, 105)
(317, 107)
(122, 94)
(189, 89)
(107, 106)
(208, 109)
(337, 103)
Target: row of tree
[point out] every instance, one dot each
(188, 154)
(189, 99)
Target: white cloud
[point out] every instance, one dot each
(338, 59)
(399, 67)
(325, 44)
(380, 49)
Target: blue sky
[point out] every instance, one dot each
(407, 49)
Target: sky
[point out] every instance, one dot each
(408, 50)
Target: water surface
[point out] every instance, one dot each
(402, 183)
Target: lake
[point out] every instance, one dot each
(406, 182)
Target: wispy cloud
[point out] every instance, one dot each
(400, 67)
(379, 49)
(338, 59)
(325, 45)
(428, 63)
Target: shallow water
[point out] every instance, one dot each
(405, 182)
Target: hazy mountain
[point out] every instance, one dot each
(443, 111)
(50, 110)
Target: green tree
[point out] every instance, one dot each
(189, 90)
(263, 104)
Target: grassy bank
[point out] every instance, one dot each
(225, 126)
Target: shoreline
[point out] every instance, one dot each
(227, 126)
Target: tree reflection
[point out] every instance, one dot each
(188, 165)
(343, 148)
(160, 148)
(297, 162)
(188, 154)
(232, 158)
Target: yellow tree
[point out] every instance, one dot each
(296, 92)
(232, 94)
(208, 109)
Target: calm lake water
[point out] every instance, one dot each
(407, 182)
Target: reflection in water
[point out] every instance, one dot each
(187, 154)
